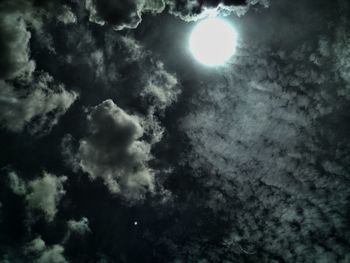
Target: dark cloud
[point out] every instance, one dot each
(195, 9)
(128, 14)
(122, 14)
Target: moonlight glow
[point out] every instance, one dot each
(213, 41)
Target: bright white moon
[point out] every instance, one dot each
(213, 41)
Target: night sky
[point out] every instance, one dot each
(118, 146)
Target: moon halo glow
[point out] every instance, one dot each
(213, 41)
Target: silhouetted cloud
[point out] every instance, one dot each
(128, 14)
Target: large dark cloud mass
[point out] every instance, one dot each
(128, 13)
(116, 146)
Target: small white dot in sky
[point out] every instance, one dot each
(135, 223)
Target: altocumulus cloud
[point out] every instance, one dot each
(261, 130)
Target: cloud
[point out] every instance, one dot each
(17, 184)
(38, 108)
(28, 98)
(192, 10)
(121, 14)
(17, 19)
(14, 50)
(53, 254)
(256, 127)
(161, 89)
(114, 151)
(266, 179)
(157, 88)
(80, 227)
(35, 246)
(45, 193)
(67, 16)
(341, 51)
(153, 84)
(45, 254)
(151, 88)
(127, 13)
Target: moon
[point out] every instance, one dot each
(213, 41)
